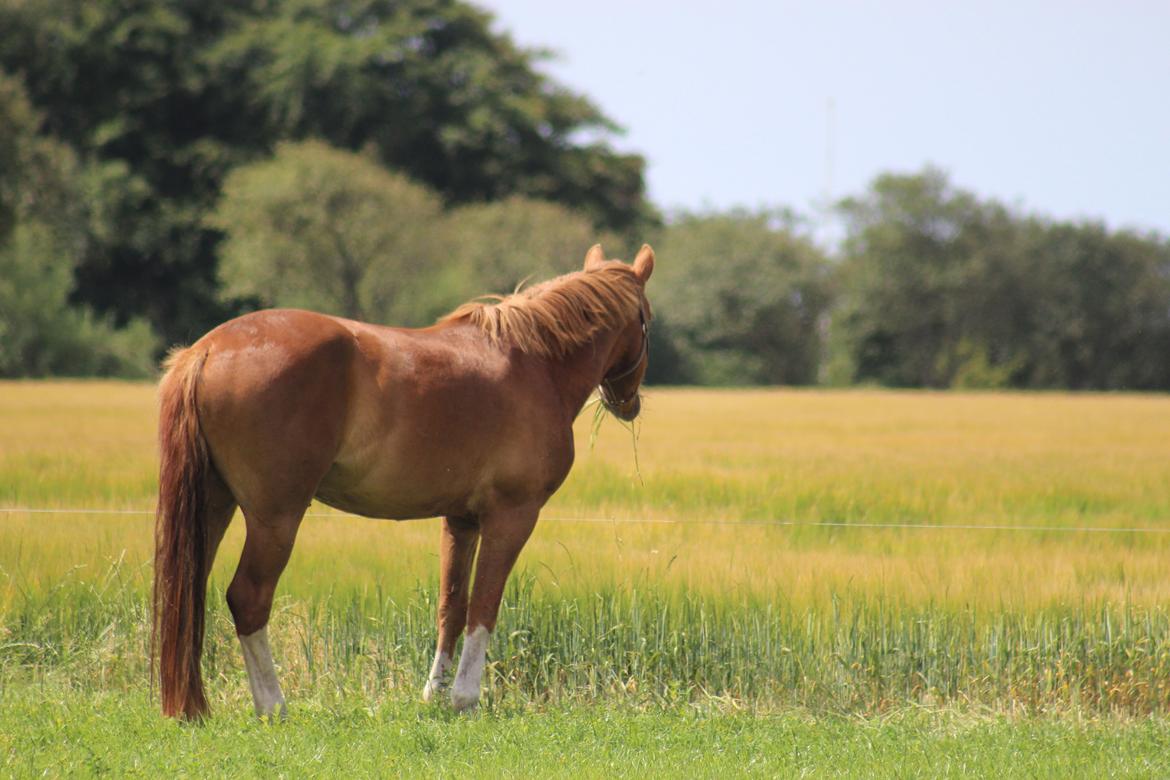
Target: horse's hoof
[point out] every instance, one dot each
(433, 689)
(278, 714)
(464, 701)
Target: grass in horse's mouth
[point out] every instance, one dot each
(599, 414)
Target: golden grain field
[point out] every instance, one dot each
(898, 507)
(719, 472)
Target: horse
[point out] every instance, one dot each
(469, 420)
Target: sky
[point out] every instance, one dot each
(1058, 108)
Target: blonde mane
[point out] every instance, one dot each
(557, 316)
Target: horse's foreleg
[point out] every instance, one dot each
(266, 551)
(456, 552)
(503, 535)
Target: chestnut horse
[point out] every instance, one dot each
(469, 420)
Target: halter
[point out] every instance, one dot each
(606, 385)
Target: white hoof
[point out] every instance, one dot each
(277, 714)
(433, 689)
(465, 692)
(464, 701)
(266, 694)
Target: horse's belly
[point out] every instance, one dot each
(457, 449)
(394, 502)
(478, 480)
(382, 510)
(393, 497)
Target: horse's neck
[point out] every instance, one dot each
(578, 373)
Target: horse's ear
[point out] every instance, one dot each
(644, 263)
(594, 258)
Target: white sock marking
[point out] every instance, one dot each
(465, 692)
(437, 680)
(262, 680)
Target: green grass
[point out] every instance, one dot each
(60, 731)
(641, 647)
(645, 628)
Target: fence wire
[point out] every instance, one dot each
(615, 520)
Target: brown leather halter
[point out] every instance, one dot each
(606, 385)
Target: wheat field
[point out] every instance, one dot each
(850, 551)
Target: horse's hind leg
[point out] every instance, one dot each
(221, 507)
(456, 552)
(266, 552)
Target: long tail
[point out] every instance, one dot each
(180, 540)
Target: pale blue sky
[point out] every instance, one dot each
(1062, 108)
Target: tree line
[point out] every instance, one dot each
(167, 165)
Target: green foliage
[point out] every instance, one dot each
(122, 85)
(172, 96)
(35, 172)
(939, 289)
(740, 297)
(975, 371)
(122, 122)
(1100, 309)
(497, 247)
(324, 229)
(438, 94)
(916, 253)
(41, 334)
(42, 216)
(320, 228)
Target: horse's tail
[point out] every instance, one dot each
(180, 540)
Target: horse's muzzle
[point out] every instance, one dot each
(624, 411)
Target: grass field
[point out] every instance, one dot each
(794, 580)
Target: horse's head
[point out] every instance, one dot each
(626, 364)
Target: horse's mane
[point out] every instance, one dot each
(553, 318)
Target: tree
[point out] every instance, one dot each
(740, 297)
(168, 97)
(43, 200)
(940, 289)
(496, 247)
(929, 282)
(42, 334)
(324, 229)
(35, 172)
(439, 95)
(1101, 310)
